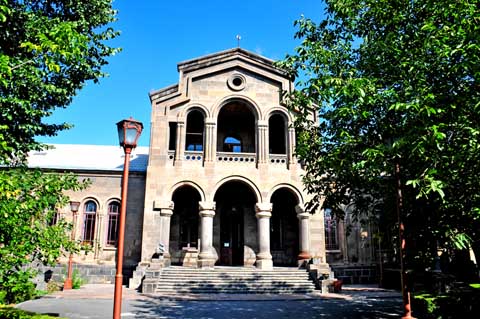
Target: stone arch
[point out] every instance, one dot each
(93, 198)
(237, 98)
(236, 128)
(187, 183)
(291, 188)
(196, 106)
(284, 225)
(237, 178)
(184, 226)
(235, 225)
(278, 110)
(111, 199)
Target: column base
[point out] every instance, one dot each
(264, 264)
(206, 263)
(304, 255)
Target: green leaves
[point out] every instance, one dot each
(48, 50)
(393, 81)
(29, 201)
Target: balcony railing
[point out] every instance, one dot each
(193, 156)
(280, 159)
(228, 157)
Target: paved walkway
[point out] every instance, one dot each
(95, 301)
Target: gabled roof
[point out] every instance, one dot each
(88, 157)
(239, 55)
(223, 56)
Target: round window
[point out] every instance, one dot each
(236, 82)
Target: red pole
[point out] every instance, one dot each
(68, 284)
(117, 299)
(407, 308)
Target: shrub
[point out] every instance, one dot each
(77, 280)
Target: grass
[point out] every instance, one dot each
(8, 312)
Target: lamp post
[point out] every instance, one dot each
(128, 133)
(68, 282)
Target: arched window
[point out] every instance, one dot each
(331, 234)
(236, 130)
(89, 218)
(277, 134)
(194, 134)
(232, 144)
(112, 226)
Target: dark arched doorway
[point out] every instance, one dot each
(284, 228)
(235, 225)
(184, 225)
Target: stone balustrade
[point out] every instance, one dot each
(236, 157)
(193, 155)
(278, 159)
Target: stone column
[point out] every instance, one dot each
(304, 234)
(263, 214)
(291, 147)
(166, 212)
(342, 238)
(206, 256)
(209, 143)
(180, 146)
(262, 149)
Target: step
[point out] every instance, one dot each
(231, 281)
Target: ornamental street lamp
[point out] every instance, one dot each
(128, 133)
(68, 282)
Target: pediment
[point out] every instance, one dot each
(213, 65)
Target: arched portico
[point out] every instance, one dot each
(184, 233)
(290, 226)
(235, 226)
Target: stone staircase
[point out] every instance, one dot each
(227, 280)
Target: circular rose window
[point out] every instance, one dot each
(236, 82)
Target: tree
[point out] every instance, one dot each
(48, 50)
(30, 230)
(394, 84)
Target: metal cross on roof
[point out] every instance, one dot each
(238, 37)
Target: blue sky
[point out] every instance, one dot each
(155, 36)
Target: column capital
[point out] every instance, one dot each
(205, 205)
(263, 207)
(163, 204)
(300, 209)
(261, 123)
(263, 210)
(210, 121)
(301, 213)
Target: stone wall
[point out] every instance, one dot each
(105, 187)
(352, 274)
(90, 274)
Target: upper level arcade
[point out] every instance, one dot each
(226, 109)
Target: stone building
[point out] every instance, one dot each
(219, 183)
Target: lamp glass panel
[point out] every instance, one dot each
(121, 134)
(131, 135)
